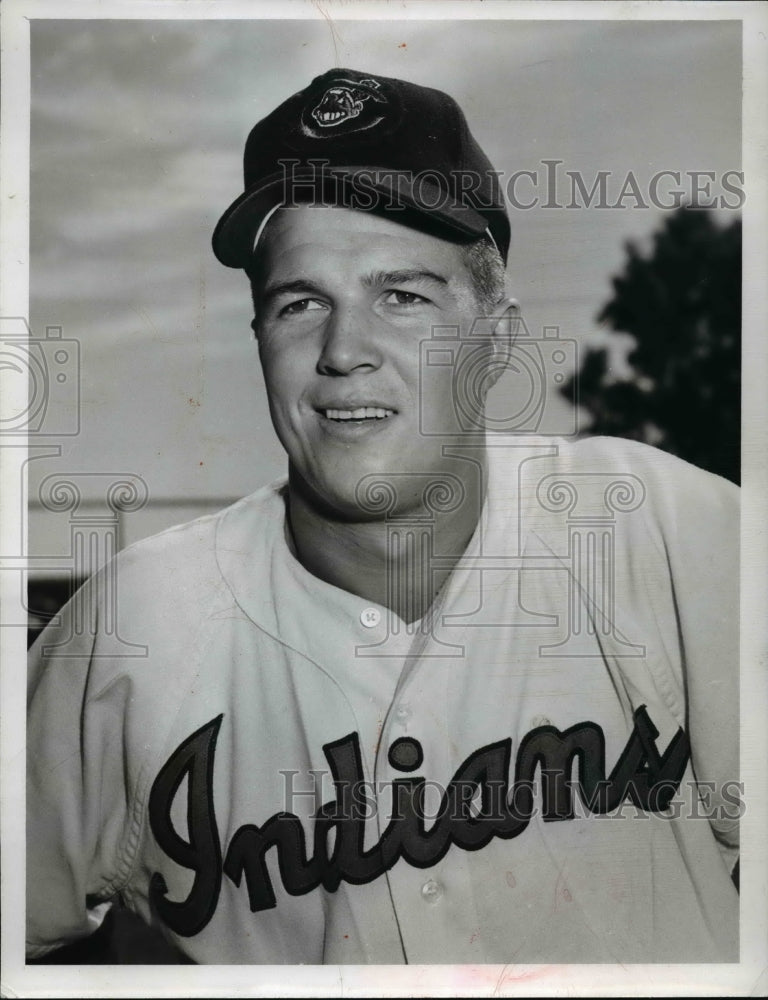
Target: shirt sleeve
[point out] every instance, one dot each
(686, 575)
(703, 547)
(80, 820)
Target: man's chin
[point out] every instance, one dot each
(371, 498)
(379, 494)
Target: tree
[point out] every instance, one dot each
(682, 305)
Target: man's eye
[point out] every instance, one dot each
(300, 306)
(401, 298)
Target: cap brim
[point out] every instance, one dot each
(416, 201)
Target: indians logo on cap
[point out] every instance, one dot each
(347, 106)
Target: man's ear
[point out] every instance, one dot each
(504, 323)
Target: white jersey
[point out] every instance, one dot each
(183, 749)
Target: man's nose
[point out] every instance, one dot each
(350, 343)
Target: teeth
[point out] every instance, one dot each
(361, 413)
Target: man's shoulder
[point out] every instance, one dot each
(661, 478)
(645, 488)
(192, 540)
(626, 450)
(184, 559)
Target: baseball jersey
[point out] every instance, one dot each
(274, 770)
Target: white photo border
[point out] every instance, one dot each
(748, 977)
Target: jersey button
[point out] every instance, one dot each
(370, 617)
(431, 891)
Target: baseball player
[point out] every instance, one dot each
(444, 694)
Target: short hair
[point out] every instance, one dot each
(481, 258)
(486, 272)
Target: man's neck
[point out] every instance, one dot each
(388, 562)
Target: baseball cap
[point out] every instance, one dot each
(368, 142)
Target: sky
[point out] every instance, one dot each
(137, 132)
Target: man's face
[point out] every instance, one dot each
(345, 299)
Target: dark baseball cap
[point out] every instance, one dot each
(372, 143)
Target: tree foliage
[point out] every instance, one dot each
(682, 305)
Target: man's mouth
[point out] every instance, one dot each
(360, 413)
